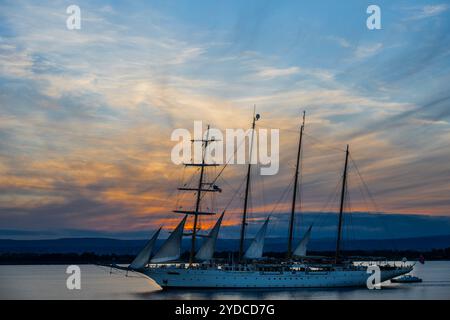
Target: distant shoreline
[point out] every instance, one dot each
(30, 258)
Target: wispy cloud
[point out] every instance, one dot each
(428, 11)
(344, 43)
(270, 72)
(86, 116)
(187, 54)
(364, 51)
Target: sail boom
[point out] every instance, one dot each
(196, 189)
(194, 212)
(201, 164)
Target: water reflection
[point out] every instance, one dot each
(49, 282)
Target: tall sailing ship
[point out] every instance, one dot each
(250, 269)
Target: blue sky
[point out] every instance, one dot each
(86, 115)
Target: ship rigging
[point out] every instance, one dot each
(166, 267)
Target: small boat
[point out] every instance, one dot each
(406, 279)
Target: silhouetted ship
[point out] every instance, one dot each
(251, 270)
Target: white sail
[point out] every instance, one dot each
(208, 247)
(144, 256)
(300, 251)
(171, 248)
(255, 250)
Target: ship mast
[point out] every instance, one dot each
(247, 187)
(200, 188)
(341, 207)
(294, 197)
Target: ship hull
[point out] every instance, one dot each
(197, 278)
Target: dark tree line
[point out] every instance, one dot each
(91, 257)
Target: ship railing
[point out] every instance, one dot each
(385, 264)
(167, 265)
(198, 266)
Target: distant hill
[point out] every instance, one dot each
(114, 246)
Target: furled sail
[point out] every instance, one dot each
(144, 256)
(255, 250)
(171, 248)
(208, 247)
(300, 251)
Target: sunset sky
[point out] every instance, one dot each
(86, 115)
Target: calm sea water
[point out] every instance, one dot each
(49, 282)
